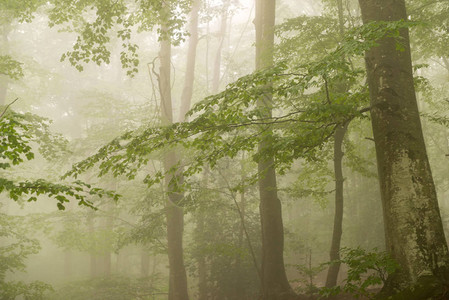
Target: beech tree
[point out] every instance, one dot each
(413, 228)
(274, 283)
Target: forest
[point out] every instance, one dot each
(224, 149)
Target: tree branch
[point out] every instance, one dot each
(7, 106)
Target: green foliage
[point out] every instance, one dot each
(96, 22)
(220, 242)
(10, 67)
(20, 10)
(229, 122)
(18, 131)
(16, 248)
(365, 269)
(430, 41)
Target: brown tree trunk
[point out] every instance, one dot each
(187, 91)
(334, 268)
(174, 213)
(274, 283)
(222, 35)
(413, 228)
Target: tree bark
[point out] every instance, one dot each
(187, 91)
(413, 228)
(174, 213)
(334, 268)
(274, 283)
(217, 62)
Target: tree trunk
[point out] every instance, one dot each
(274, 283)
(413, 228)
(217, 63)
(174, 213)
(187, 92)
(334, 268)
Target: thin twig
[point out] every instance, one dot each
(7, 106)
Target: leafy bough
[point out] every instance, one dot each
(307, 108)
(18, 132)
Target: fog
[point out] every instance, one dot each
(224, 149)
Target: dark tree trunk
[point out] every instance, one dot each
(413, 228)
(174, 213)
(332, 274)
(274, 283)
(334, 268)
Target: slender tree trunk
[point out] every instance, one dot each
(332, 274)
(174, 213)
(187, 92)
(334, 268)
(274, 283)
(217, 62)
(413, 228)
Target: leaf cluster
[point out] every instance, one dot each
(15, 249)
(18, 131)
(97, 21)
(307, 101)
(10, 67)
(365, 269)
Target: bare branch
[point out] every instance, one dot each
(7, 106)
